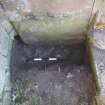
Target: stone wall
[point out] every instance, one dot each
(47, 20)
(97, 46)
(6, 37)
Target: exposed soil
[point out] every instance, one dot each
(65, 82)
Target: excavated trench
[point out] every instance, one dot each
(48, 74)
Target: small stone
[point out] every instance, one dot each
(36, 86)
(59, 69)
(69, 75)
(101, 66)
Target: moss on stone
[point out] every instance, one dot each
(92, 64)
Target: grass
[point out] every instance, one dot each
(25, 95)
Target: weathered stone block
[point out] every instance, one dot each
(6, 39)
(46, 20)
(32, 31)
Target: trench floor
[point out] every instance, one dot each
(43, 83)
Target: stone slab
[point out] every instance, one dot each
(6, 39)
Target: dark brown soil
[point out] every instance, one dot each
(66, 82)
